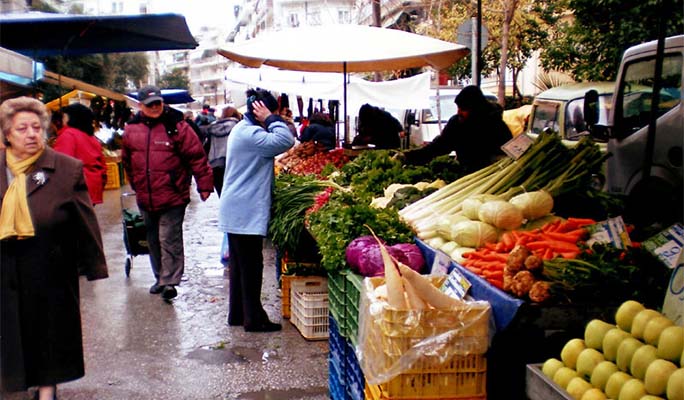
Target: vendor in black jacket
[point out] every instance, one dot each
(476, 133)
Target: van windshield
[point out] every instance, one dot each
(575, 126)
(545, 115)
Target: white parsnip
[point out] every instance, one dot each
(432, 295)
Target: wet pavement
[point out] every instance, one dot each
(137, 346)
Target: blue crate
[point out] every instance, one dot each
(336, 387)
(354, 379)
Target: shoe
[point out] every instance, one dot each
(156, 288)
(169, 293)
(267, 326)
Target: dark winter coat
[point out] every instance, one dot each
(477, 140)
(319, 133)
(217, 137)
(41, 338)
(160, 157)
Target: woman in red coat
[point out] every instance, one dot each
(77, 139)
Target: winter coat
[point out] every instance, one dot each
(217, 138)
(41, 338)
(319, 133)
(78, 144)
(477, 140)
(160, 157)
(245, 203)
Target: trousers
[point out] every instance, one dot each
(245, 274)
(165, 243)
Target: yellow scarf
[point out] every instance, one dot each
(15, 217)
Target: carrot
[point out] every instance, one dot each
(570, 237)
(508, 241)
(498, 257)
(497, 283)
(556, 245)
(569, 254)
(548, 254)
(551, 226)
(492, 265)
(490, 246)
(500, 247)
(582, 221)
(493, 274)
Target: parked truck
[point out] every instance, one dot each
(647, 171)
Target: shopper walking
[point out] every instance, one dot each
(49, 235)
(77, 139)
(217, 139)
(160, 154)
(246, 203)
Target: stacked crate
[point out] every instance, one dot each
(455, 371)
(309, 307)
(345, 371)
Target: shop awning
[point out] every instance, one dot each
(37, 34)
(75, 84)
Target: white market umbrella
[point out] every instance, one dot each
(344, 48)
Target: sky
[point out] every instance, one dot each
(199, 12)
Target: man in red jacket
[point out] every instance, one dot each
(160, 155)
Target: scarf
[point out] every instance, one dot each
(15, 217)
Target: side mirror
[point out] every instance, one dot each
(600, 133)
(411, 119)
(591, 107)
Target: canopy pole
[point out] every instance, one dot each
(346, 117)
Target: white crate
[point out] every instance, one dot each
(309, 307)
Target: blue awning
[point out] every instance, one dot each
(38, 34)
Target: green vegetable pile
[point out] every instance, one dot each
(372, 171)
(342, 220)
(293, 195)
(615, 274)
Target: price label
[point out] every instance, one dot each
(441, 264)
(517, 146)
(456, 285)
(668, 245)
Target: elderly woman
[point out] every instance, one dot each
(49, 235)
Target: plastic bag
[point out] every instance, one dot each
(225, 253)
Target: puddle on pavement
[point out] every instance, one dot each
(219, 354)
(283, 394)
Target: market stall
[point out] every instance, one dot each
(547, 252)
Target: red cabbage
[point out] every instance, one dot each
(414, 257)
(354, 249)
(370, 260)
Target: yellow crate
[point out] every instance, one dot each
(285, 286)
(113, 177)
(457, 371)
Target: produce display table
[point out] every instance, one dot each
(526, 333)
(540, 387)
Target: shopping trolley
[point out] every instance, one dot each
(134, 231)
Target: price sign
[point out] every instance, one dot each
(668, 245)
(456, 284)
(517, 146)
(441, 264)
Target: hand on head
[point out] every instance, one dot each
(261, 112)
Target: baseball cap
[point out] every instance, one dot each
(149, 94)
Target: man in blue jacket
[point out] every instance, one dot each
(245, 205)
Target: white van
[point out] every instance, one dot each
(425, 124)
(656, 198)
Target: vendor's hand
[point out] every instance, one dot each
(261, 112)
(204, 195)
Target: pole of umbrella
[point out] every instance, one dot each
(344, 91)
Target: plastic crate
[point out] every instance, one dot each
(335, 382)
(113, 177)
(286, 284)
(353, 292)
(355, 381)
(461, 375)
(336, 298)
(309, 307)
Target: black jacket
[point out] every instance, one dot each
(477, 140)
